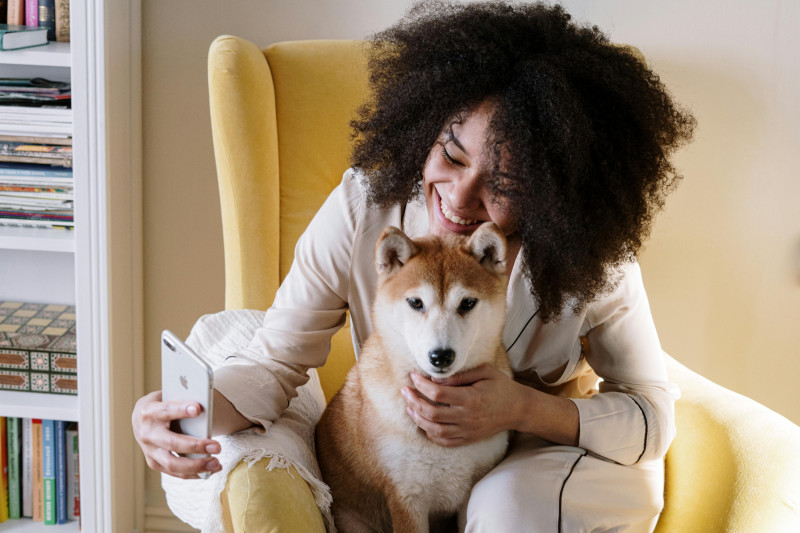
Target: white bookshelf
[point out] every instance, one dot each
(81, 266)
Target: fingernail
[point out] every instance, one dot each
(404, 393)
(212, 448)
(192, 410)
(213, 464)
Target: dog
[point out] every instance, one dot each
(439, 310)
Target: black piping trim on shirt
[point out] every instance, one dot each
(644, 446)
(564, 484)
(522, 330)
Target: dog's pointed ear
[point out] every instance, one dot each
(393, 250)
(487, 244)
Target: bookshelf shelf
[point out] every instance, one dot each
(37, 239)
(50, 55)
(26, 525)
(39, 405)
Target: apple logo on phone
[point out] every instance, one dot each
(184, 382)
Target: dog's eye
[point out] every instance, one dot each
(467, 304)
(415, 304)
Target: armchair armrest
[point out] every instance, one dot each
(734, 464)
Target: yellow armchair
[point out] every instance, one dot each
(281, 138)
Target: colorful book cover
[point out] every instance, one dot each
(16, 12)
(31, 12)
(14, 434)
(49, 470)
(73, 473)
(4, 465)
(61, 471)
(38, 481)
(27, 468)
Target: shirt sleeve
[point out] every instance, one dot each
(308, 309)
(632, 419)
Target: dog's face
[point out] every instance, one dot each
(441, 303)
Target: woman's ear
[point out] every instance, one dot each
(393, 250)
(487, 244)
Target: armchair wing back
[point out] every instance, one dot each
(280, 122)
(281, 140)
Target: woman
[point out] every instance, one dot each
(516, 115)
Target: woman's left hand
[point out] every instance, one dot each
(463, 408)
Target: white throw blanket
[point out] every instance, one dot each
(288, 442)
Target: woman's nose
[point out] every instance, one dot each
(465, 193)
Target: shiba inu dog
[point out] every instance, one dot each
(439, 310)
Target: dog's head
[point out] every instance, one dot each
(441, 302)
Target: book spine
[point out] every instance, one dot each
(73, 474)
(27, 468)
(31, 12)
(49, 471)
(47, 17)
(61, 472)
(16, 12)
(62, 21)
(4, 465)
(38, 481)
(14, 463)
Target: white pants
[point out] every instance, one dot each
(540, 487)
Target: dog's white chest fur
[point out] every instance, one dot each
(422, 471)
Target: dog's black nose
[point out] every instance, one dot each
(441, 357)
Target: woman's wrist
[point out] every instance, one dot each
(226, 420)
(548, 417)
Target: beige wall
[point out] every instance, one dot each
(723, 266)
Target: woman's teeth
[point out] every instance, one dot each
(455, 218)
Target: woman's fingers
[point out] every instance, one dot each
(164, 461)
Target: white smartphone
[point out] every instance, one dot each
(185, 376)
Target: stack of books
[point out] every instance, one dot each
(36, 185)
(40, 476)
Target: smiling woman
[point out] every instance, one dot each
(584, 128)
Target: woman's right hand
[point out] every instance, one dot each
(151, 421)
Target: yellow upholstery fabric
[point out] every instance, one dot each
(280, 124)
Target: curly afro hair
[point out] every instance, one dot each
(589, 129)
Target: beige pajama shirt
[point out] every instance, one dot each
(613, 480)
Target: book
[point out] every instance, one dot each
(32, 139)
(73, 473)
(14, 37)
(20, 379)
(61, 471)
(38, 349)
(38, 481)
(62, 21)
(4, 471)
(16, 12)
(27, 468)
(14, 438)
(31, 12)
(34, 173)
(47, 17)
(49, 470)
(43, 154)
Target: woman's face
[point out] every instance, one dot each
(455, 178)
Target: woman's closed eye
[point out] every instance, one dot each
(449, 158)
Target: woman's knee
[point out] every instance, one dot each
(256, 499)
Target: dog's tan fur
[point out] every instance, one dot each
(384, 473)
